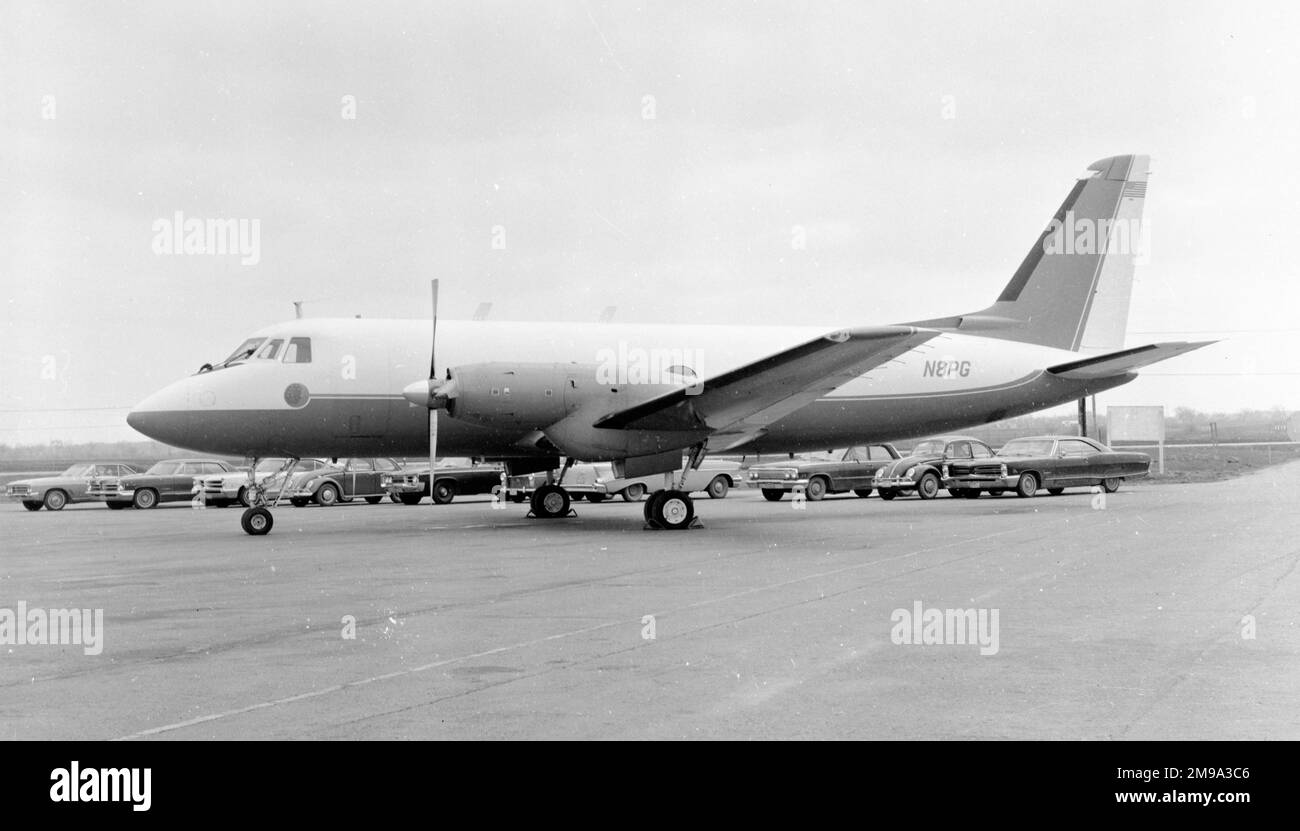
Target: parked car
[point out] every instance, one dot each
(342, 481)
(853, 471)
(229, 488)
(451, 478)
(1051, 462)
(69, 487)
(171, 480)
(920, 470)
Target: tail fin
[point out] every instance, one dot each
(1072, 291)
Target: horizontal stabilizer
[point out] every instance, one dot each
(1123, 361)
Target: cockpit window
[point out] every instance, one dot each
(245, 351)
(271, 350)
(298, 351)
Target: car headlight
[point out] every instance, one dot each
(753, 474)
(945, 471)
(1003, 470)
(910, 471)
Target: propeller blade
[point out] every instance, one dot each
(428, 389)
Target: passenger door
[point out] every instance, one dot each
(361, 478)
(1072, 463)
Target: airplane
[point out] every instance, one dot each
(643, 396)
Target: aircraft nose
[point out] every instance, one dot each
(166, 427)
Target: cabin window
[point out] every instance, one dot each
(298, 351)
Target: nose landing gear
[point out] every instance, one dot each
(257, 520)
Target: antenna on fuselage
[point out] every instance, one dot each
(297, 309)
(482, 312)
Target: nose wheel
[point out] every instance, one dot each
(257, 521)
(670, 510)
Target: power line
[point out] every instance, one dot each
(65, 409)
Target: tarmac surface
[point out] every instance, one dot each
(1168, 611)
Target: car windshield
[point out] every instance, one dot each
(933, 447)
(163, 468)
(79, 470)
(1027, 447)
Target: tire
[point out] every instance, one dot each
(650, 504)
(374, 500)
(887, 493)
(55, 500)
(773, 494)
(395, 499)
(673, 510)
(816, 489)
(257, 522)
(970, 493)
(718, 487)
(550, 502)
(299, 501)
(862, 492)
(1026, 485)
(410, 498)
(145, 499)
(32, 505)
(242, 497)
(927, 487)
(327, 495)
(633, 493)
(1111, 485)
(444, 490)
(1056, 491)
(117, 506)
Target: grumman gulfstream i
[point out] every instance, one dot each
(527, 394)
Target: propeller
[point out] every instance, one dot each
(433, 373)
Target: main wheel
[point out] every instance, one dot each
(443, 492)
(718, 487)
(374, 500)
(1056, 491)
(1111, 485)
(1026, 485)
(327, 495)
(257, 521)
(550, 502)
(117, 506)
(862, 492)
(927, 487)
(410, 498)
(888, 493)
(55, 500)
(33, 505)
(817, 487)
(773, 494)
(673, 510)
(633, 493)
(145, 499)
(648, 510)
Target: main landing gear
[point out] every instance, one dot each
(672, 508)
(257, 520)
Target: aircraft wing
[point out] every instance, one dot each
(742, 402)
(1125, 360)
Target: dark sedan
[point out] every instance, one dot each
(1051, 462)
(450, 479)
(919, 471)
(854, 471)
(172, 480)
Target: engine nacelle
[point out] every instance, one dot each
(509, 396)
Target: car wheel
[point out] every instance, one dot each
(1056, 491)
(443, 492)
(55, 500)
(718, 487)
(633, 493)
(257, 521)
(145, 499)
(1027, 485)
(327, 495)
(117, 506)
(773, 494)
(970, 493)
(33, 506)
(242, 497)
(410, 498)
(816, 489)
(887, 493)
(374, 500)
(927, 487)
(1111, 485)
(862, 492)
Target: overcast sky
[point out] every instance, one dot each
(653, 157)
